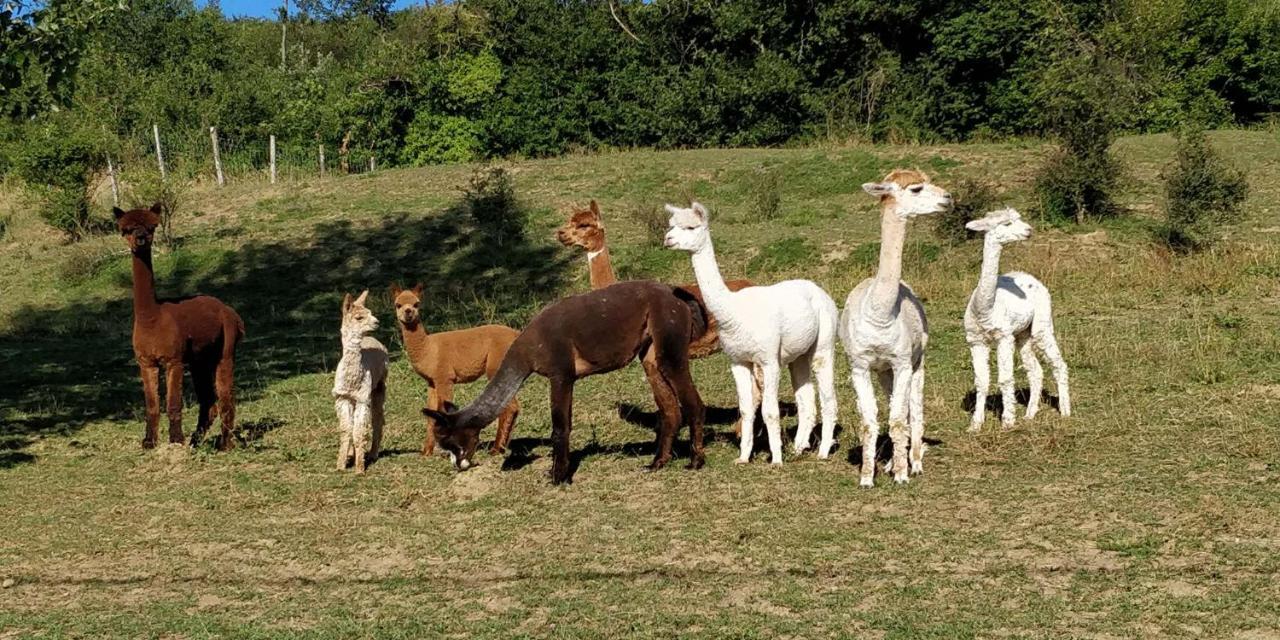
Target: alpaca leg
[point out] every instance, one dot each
(342, 407)
(899, 431)
(561, 427)
(206, 397)
(1049, 345)
(360, 419)
(506, 422)
(867, 409)
(825, 369)
(225, 386)
(151, 391)
(668, 408)
(769, 411)
(173, 401)
(377, 419)
(981, 355)
(1035, 374)
(806, 401)
(744, 381)
(694, 413)
(885, 377)
(915, 416)
(434, 404)
(1004, 371)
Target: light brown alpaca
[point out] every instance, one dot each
(585, 229)
(359, 386)
(453, 357)
(199, 332)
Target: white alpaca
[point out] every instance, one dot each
(791, 323)
(1013, 311)
(884, 330)
(359, 385)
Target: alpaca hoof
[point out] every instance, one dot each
(917, 467)
(867, 482)
(742, 461)
(775, 463)
(901, 478)
(1066, 413)
(696, 463)
(1008, 425)
(148, 444)
(975, 427)
(497, 451)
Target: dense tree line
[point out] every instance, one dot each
(476, 78)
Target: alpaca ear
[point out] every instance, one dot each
(363, 294)
(878, 189)
(673, 210)
(701, 212)
(156, 208)
(346, 303)
(417, 289)
(395, 290)
(595, 208)
(117, 212)
(976, 225)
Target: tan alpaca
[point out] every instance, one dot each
(453, 357)
(359, 385)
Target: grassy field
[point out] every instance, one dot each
(1153, 511)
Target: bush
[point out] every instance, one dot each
(765, 193)
(490, 198)
(652, 219)
(1202, 193)
(57, 160)
(971, 199)
(150, 189)
(436, 139)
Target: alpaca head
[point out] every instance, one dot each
(460, 441)
(909, 193)
(583, 229)
(357, 320)
(1001, 227)
(407, 302)
(688, 229)
(138, 226)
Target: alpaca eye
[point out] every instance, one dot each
(917, 189)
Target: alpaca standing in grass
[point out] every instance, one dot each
(884, 328)
(585, 229)
(199, 332)
(1015, 312)
(453, 357)
(791, 323)
(359, 385)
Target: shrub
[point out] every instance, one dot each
(490, 199)
(1202, 193)
(57, 160)
(652, 219)
(436, 139)
(764, 192)
(971, 199)
(150, 189)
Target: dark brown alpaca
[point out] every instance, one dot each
(583, 335)
(199, 332)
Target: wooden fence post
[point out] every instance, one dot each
(217, 157)
(155, 129)
(321, 159)
(115, 184)
(373, 163)
(273, 158)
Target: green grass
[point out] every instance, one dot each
(1153, 511)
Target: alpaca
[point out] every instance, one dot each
(199, 332)
(453, 357)
(791, 323)
(585, 229)
(585, 335)
(1015, 312)
(359, 385)
(884, 329)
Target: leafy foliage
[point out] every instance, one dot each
(971, 199)
(1203, 193)
(490, 197)
(58, 159)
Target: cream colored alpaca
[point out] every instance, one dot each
(359, 385)
(1015, 312)
(884, 330)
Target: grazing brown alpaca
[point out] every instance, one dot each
(585, 229)
(453, 357)
(584, 335)
(199, 332)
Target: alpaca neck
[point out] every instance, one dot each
(984, 297)
(882, 303)
(351, 342)
(145, 306)
(715, 294)
(417, 342)
(600, 268)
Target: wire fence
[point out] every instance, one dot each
(190, 156)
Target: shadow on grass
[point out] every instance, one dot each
(995, 402)
(72, 364)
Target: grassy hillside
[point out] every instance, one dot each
(1153, 511)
